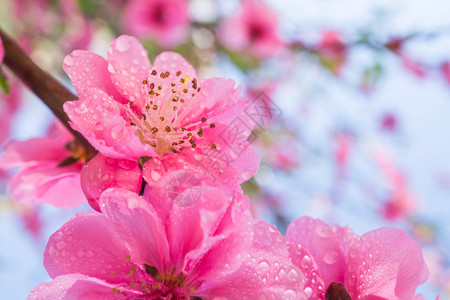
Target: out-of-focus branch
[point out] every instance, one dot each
(42, 84)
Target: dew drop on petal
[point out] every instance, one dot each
(68, 60)
(155, 175)
(331, 257)
(111, 69)
(293, 275)
(308, 291)
(122, 44)
(60, 245)
(263, 266)
(323, 230)
(289, 294)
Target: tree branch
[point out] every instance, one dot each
(42, 84)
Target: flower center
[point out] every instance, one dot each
(164, 119)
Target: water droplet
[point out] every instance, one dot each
(60, 245)
(80, 253)
(111, 69)
(89, 254)
(263, 266)
(69, 60)
(293, 275)
(308, 291)
(155, 175)
(289, 294)
(323, 230)
(331, 257)
(123, 43)
(306, 262)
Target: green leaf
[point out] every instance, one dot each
(4, 86)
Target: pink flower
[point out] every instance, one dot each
(166, 21)
(2, 51)
(401, 203)
(389, 122)
(445, 69)
(253, 28)
(49, 170)
(332, 51)
(382, 264)
(413, 66)
(162, 116)
(151, 248)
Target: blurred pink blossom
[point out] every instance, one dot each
(162, 116)
(49, 169)
(382, 264)
(389, 122)
(166, 21)
(154, 249)
(445, 69)
(253, 28)
(413, 66)
(401, 203)
(343, 148)
(332, 51)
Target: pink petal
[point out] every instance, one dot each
(136, 223)
(323, 244)
(102, 121)
(87, 71)
(174, 62)
(347, 237)
(128, 66)
(101, 173)
(74, 286)
(266, 271)
(88, 245)
(47, 184)
(225, 247)
(313, 287)
(385, 263)
(30, 152)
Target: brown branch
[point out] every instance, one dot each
(42, 84)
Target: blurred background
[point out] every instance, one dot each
(351, 99)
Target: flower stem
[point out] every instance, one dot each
(42, 84)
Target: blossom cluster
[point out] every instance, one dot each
(171, 220)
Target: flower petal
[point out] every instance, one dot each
(102, 121)
(385, 263)
(101, 173)
(128, 66)
(87, 244)
(47, 184)
(74, 286)
(135, 222)
(87, 71)
(323, 244)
